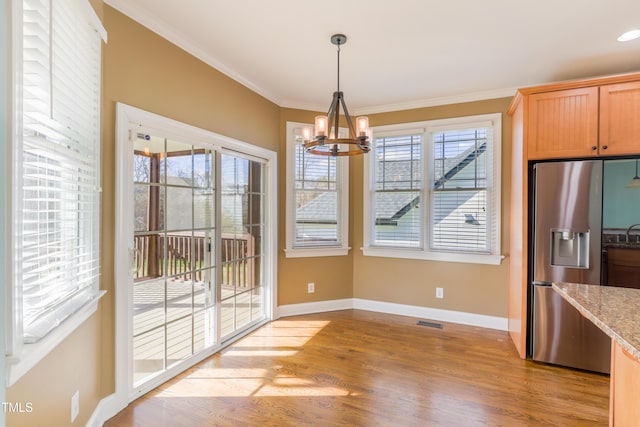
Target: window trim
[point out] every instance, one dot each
(424, 253)
(343, 193)
(21, 357)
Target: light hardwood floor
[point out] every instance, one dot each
(363, 368)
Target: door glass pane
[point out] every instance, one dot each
(148, 354)
(174, 264)
(256, 303)
(203, 329)
(179, 298)
(242, 194)
(243, 309)
(179, 210)
(179, 340)
(148, 305)
(176, 165)
(227, 317)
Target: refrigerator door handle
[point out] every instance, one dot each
(535, 283)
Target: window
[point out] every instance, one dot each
(317, 200)
(56, 200)
(434, 190)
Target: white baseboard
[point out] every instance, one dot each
(107, 408)
(314, 307)
(460, 317)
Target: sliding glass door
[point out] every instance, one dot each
(197, 276)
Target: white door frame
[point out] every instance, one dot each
(127, 118)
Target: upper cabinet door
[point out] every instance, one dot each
(620, 119)
(563, 124)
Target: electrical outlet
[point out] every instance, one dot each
(311, 287)
(440, 293)
(75, 405)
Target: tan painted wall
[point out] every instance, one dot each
(146, 71)
(333, 276)
(143, 70)
(74, 365)
(472, 288)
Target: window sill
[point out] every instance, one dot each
(32, 354)
(316, 252)
(468, 258)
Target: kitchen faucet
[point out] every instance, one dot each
(629, 229)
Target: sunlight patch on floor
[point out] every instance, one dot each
(280, 339)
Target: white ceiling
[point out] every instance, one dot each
(400, 53)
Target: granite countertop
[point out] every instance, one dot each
(621, 245)
(614, 310)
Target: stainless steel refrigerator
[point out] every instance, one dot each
(566, 247)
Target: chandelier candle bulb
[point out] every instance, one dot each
(306, 134)
(321, 125)
(362, 125)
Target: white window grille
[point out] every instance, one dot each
(436, 182)
(317, 200)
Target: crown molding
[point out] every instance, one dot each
(163, 29)
(433, 102)
(410, 105)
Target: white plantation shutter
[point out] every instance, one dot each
(461, 190)
(57, 259)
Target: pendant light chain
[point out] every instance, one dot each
(338, 67)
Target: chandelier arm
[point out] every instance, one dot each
(331, 114)
(352, 130)
(336, 120)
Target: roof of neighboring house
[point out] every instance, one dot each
(391, 206)
(322, 209)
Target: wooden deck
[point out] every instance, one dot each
(187, 319)
(362, 368)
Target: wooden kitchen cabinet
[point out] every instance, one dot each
(623, 267)
(624, 410)
(620, 118)
(563, 124)
(561, 121)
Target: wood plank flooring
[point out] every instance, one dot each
(362, 368)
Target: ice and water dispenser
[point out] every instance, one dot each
(570, 248)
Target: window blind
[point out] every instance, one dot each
(461, 193)
(397, 192)
(57, 260)
(317, 200)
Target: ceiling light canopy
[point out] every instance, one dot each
(327, 141)
(629, 35)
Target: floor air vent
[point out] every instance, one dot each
(430, 324)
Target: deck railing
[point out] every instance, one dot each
(182, 260)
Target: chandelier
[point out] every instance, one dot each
(327, 141)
